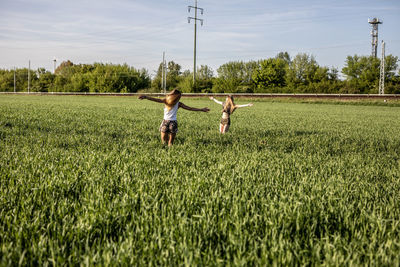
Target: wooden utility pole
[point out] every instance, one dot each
(29, 77)
(14, 81)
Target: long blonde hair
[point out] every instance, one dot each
(172, 98)
(229, 105)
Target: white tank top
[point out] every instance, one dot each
(170, 115)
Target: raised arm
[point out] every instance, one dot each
(242, 106)
(152, 98)
(181, 105)
(216, 101)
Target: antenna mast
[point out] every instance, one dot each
(374, 33)
(195, 35)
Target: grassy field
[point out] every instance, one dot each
(85, 180)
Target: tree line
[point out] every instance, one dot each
(280, 74)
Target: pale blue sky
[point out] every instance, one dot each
(137, 32)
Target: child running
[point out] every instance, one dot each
(228, 108)
(169, 125)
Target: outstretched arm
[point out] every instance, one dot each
(181, 105)
(242, 106)
(152, 98)
(216, 101)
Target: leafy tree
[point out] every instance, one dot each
(391, 66)
(173, 76)
(156, 82)
(21, 80)
(44, 81)
(302, 70)
(362, 72)
(186, 84)
(205, 73)
(116, 78)
(59, 83)
(320, 75)
(393, 86)
(64, 68)
(205, 77)
(6, 81)
(235, 77)
(63, 73)
(270, 75)
(80, 82)
(279, 74)
(358, 66)
(186, 73)
(285, 56)
(333, 74)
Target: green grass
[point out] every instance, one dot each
(85, 180)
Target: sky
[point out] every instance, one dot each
(138, 32)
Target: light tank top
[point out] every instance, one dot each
(170, 115)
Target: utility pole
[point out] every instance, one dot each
(374, 33)
(195, 35)
(14, 81)
(164, 75)
(382, 72)
(55, 61)
(29, 76)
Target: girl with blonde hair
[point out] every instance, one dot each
(169, 125)
(228, 108)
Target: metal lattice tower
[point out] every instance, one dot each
(374, 33)
(382, 71)
(195, 35)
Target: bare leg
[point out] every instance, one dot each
(164, 138)
(221, 128)
(171, 139)
(224, 128)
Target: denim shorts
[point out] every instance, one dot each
(169, 126)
